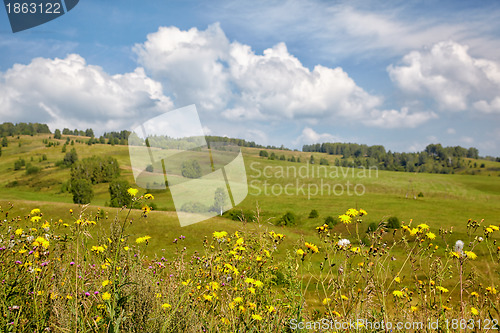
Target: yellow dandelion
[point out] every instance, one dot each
(132, 191)
(326, 301)
(474, 294)
(149, 196)
(351, 212)
(300, 252)
(312, 247)
(19, 232)
(105, 283)
(166, 306)
(491, 290)
(258, 283)
(494, 227)
(271, 309)
(346, 219)
(423, 226)
(219, 234)
(36, 219)
(430, 235)
(252, 290)
(256, 317)
(238, 300)
(413, 308)
(398, 293)
(362, 212)
(35, 211)
(470, 254)
(442, 289)
(106, 296)
(397, 279)
(344, 297)
(474, 311)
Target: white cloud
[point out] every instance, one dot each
(204, 68)
(70, 93)
(450, 76)
(309, 136)
(451, 131)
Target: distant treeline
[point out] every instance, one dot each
(435, 158)
(10, 129)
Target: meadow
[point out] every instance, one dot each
(225, 275)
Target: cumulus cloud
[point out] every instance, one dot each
(70, 93)
(450, 76)
(203, 67)
(309, 136)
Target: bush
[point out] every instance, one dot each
(313, 214)
(118, 193)
(323, 161)
(19, 164)
(82, 191)
(420, 195)
(331, 221)
(31, 169)
(372, 227)
(191, 169)
(70, 158)
(288, 219)
(393, 223)
(240, 215)
(263, 153)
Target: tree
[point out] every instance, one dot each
(89, 132)
(118, 193)
(191, 169)
(82, 191)
(311, 160)
(313, 214)
(70, 158)
(5, 142)
(57, 134)
(220, 200)
(263, 153)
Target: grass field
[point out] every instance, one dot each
(443, 202)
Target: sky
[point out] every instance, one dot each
(403, 74)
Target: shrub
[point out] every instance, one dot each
(31, 169)
(19, 164)
(119, 196)
(393, 222)
(240, 215)
(372, 227)
(331, 221)
(323, 161)
(288, 219)
(313, 214)
(82, 191)
(70, 158)
(263, 153)
(420, 195)
(191, 169)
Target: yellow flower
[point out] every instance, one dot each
(97, 249)
(214, 285)
(19, 232)
(238, 300)
(300, 252)
(413, 308)
(455, 254)
(141, 240)
(470, 254)
(185, 283)
(208, 297)
(225, 321)
(126, 248)
(256, 317)
(489, 230)
(413, 231)
(105, 283)
(344, 297)
(491, 290)
(326, 301)
(239, 241)
(35, 211)
(351, 212)
(398, 293)
(430, 235)
(271, 309)
(345, 219)
(69, 297)
(397, 279)
(258, 283)
(149, 196)
(423, 226)
(446, 308)
(132, 191)
(249, 280)
(312, 247)
(362, 212)
(494, 227)
(474, 311)
(158, 295)
(46, 225)
(442, 289)
(252, 290)
(106, 296)
(35, 219)
(219, 234)
(474, 294)
(252, 306)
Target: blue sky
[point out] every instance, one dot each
(403, 74)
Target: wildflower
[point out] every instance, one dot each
(238, 300)
(491, 290)
(97, 249)
(46, 225)
(351, 212)
(36, 219)
(471, 255)
(126, 248)
(240, 241)
(312, 247)
(423, 226)
(19, 232)
(225, 321)
(300, 252)
(397, 279)
(398, 293)
(494, 227)
(35, 211)
(413, 308)
(271, 309)
(430, 235)
(252, 290)
(208, 297)
(459, 246)
(249, 280)
(252, 306)
(327, 301)
(442, 289)
(69, 297)
(106, 296)
(446, 308)
(343, 242)
(344, 297)
(362, 212)
(474, 311)
(141, 240)
(106, 282)
(256, 317)
(455, 254)
(185, 283)
(132, 191)
(413, 231)
(214, 285)
(345, 219)
(474, 294)
(219, 234)
(258, 283)
(149, 196)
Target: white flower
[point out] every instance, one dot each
(480, 239)
(459, 246)
(343, 242)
